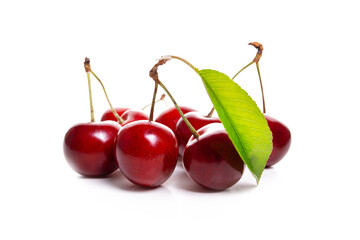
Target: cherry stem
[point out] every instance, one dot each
(186, 62)
(153, 103)
(242, 69)
(87, 69)
(262, 89)
(120, 120)
(160, 99)
(192, 129)
(256, 60)
(211, 112)
(154, 75)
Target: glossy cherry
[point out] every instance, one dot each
(212, 160)
(132, 116)
(89, 148)
(146, 152)
(109, 115)
(171, 116)
(281, 140)
(197, 120)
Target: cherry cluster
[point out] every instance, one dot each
(147, 151)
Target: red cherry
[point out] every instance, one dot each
(171, 116)
(212, 160)
(182, 131)
(146, 153)
(108, 114)
(281, 140)
(89, 148)
(132, 116)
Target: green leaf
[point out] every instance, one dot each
(242, 119)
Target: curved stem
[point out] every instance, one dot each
(262, 90)
(160, 99)
(120, 120)
(242, 69)
(186, 62)
(197, 71)
(153, 103)
(191, 128)
(90, 95)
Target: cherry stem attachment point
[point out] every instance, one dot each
(87, 69)
(151, 117)
(154, 75)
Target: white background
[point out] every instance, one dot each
(310, 74)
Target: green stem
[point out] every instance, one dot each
(197, 71)
(153, 103)
(186, 62)
(262, 90)
(191, 128)
(242, 70)
(91, 102)
(120, 120)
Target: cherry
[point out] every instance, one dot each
(281, 140)
(171, 116)
(89, 148)
(182, 131)
(108, 114)
(133, 115)
(146, 152)
(212, 160)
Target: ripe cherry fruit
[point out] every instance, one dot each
(197, 120)
(89, 148)
(127, 115)
(146, 152)
(212, 160)
(281, 140)
(109, 115)
(132, 116)
(171, 116)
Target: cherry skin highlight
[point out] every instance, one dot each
(281, 140)
(182, 131)
(89, 148)
(132, 116)
(146, 153)
(108, 114)
(212, 161)
(171, 116)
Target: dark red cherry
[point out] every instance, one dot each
(171, 116)
(132, 116)
(281, 140)
(182, 131)
(108, 114)
(89, 148)
(212, 161)
(146, 153)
